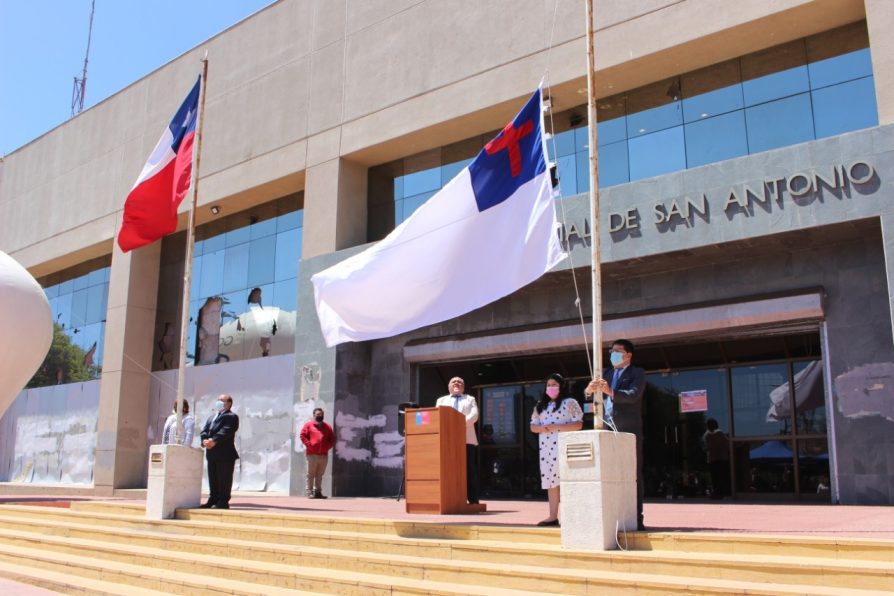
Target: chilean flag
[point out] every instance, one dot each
(150, 211)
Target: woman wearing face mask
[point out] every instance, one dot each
(552, 415)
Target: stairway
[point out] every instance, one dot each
(108, 548)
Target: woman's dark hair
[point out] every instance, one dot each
(544, 398)
(711, 424)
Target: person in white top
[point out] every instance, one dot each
(468, 407)
(170, 428)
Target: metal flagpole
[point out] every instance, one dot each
(187, 266)
(595, 236)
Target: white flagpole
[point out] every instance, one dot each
(190, 243)
(595, 236)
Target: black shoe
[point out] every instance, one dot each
(320, 496)
(221, 506)
(550, 522)
(207, 505)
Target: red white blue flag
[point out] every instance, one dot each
(150, 211)
(490, 231)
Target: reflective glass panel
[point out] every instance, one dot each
(261, 261)
(779, 123)
(840, 68)
(79, 308)
(96, 303)
(583, 170)
(657, 153)
(813, 468)
(613, 167)
(774, 73)
(235, 273)
(810, 397)
(288, 252)
(263, 228)
(715, 139)
(563, 143)
(238, 236)
(423, 181)
(290, 221)
(711, 91)
(212, 273)
(764, 467)
(285, 294)
(654, 107)
(567, 166)
(611, 131)
(845, 107)
(761, 400)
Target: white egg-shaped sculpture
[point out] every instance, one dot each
(27, 328)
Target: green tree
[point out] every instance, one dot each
(64, 363)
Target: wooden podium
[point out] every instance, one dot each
(435, 465)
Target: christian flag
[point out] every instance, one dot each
(490, 231)
(150, 211)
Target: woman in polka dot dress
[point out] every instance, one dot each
(551, 416)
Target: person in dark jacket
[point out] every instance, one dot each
(218, 439)
(623, 385)
(318, 439)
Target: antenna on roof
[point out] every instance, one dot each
(80, 84)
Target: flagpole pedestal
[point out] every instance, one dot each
(175, 480)
(597, 469)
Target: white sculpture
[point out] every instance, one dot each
(27, 329)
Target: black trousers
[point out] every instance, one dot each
(220, 481)
(472, 473)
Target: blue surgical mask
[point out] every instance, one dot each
(218, 406)
(617, 358)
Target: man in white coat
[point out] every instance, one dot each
(465, 405)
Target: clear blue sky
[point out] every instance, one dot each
(42, 45)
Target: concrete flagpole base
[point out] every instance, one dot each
(597, 473)
(175, 480)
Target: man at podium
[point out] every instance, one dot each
(468, 407)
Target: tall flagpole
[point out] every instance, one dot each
(190, 242)
(595, 236)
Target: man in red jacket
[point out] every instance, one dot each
(318, 439)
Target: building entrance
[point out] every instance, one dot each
(766, 395)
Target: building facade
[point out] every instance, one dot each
(746, 239)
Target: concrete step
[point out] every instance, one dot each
(421, 529)
(837, 548)
(463, 559)
(142, 566)
(274, 579)
(66, 583)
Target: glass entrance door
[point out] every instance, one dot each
(677, 408)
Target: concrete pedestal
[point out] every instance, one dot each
(175, 480)
(597, 471)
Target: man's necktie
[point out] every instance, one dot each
(615, 377)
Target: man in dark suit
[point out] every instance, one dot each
(218, 436)
(624, 385)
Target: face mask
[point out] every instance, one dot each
(218, 406)
(552, 392)
(319, 418)
(617, 358)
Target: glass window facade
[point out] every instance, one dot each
(799, 91)
(78, 300)
(244, 296)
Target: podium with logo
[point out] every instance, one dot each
(435, 466)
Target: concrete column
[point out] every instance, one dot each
(121, 450)
(334, 207)
(880, 23)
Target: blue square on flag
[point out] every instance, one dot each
(512, 158)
